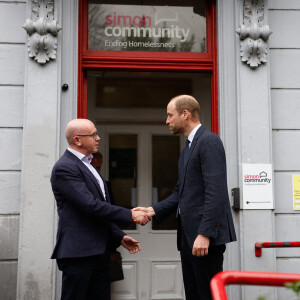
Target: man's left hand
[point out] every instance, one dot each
(201, 245)
(132, 245)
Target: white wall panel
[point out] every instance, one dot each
(10, 192)
(285, 68)
(285, 108)
(283, 190)
(284, 4)
(286, 230)
(9, 237)
(286, 149)
(12, 106)
(12, 62)
(14, 1)
(12, 17)
(287, 266)
(10, 149)
(8, 280)
(284, 25)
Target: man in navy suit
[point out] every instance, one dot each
(200, 199)
(87, 227)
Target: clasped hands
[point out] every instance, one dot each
(142, 215)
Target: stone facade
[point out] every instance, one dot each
(259, 123)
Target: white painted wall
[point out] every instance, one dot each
(261, 124)
(228, 59)
(246, 129)
(12, 56)
(284, 19)
(40, 147)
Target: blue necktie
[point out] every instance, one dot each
(186, 151)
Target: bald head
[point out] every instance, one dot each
(189, 103)
(75, 127)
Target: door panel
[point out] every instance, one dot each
(155, 272)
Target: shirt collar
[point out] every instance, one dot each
(80, 155)
(192, 133)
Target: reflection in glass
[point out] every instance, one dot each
(128, 91)
(140, 91)
(165, 154)
(167, 26)
(123, 170)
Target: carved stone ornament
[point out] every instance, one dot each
(42, 30)
(254, 34)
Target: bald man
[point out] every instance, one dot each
(87, 227)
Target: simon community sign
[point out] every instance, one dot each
(257, 186)
(146, 28)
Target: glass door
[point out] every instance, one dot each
(141, 165)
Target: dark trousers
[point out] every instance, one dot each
(85, 278)
(198, 271)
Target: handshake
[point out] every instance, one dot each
(142, 215)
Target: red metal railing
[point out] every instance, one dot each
(219, 281)
(259, 246)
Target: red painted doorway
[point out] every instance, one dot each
(146, 61)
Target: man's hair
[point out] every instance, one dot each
(189, 103)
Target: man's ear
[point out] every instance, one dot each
(185, 114)
(76, 140)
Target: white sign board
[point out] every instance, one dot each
(257, 186)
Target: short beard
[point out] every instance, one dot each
(176, 130)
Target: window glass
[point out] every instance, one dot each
(123, 170)
(156, 26)
(115, 95)
(165, 154)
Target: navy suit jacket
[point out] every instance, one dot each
(86, 221)
(201, 192)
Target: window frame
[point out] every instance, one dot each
(147, 61)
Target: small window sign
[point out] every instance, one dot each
(258, 186)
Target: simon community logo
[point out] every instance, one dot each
(142, 26)
(262, 177)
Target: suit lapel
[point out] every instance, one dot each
(193, 145)
(85, 170)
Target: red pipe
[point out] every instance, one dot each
(259, 246)
(219, 281)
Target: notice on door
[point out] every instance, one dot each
(258, 186)
(296, 192)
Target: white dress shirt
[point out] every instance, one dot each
(87, 161)
(192, 134)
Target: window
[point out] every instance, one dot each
(147, 35)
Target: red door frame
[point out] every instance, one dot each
(147, 61)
